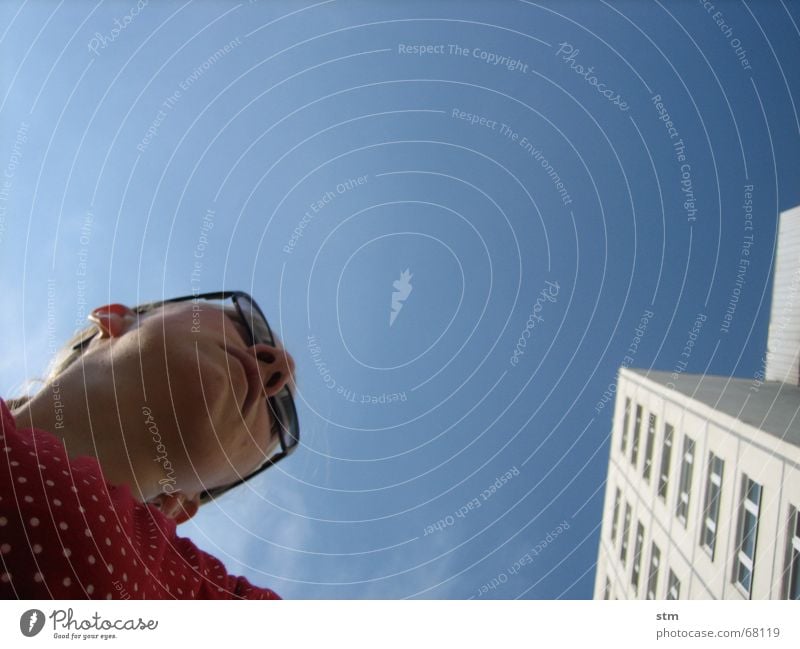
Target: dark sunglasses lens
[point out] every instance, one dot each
(256, 321)
(293, 430)
(290, 433)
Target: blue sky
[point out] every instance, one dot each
(468, 142)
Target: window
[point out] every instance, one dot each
(792, 588)
(626, 530)
(685, 485)
(615, 519)
(648, 449)
(652, 577)
(666, 458)
(607, 589)
(673, 586)
(749, 505)
(625, 423)
(637, 556)
(637, 429)
(708, 535)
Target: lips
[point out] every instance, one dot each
(255, 386)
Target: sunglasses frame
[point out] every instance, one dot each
(281, 405)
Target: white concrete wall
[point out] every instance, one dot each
(783, 344)
(767, 459)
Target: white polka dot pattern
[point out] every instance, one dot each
(65, 533)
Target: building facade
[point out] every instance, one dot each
(703, 489)
(782, 359)
(703, 486)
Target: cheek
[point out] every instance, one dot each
(199, 370)
(208, 392)
(242, 445)
(199, 384)
(205, 389)
(222, 442)
(225, 455)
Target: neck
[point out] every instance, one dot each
(86, 428)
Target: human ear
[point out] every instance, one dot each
(112, 319)
(177, 505)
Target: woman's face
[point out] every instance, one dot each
(193, 394)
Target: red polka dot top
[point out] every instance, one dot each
(65, 533)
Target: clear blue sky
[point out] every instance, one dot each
(117, 140)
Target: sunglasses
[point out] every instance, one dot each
(281, 405)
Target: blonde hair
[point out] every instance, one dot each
(66, 356)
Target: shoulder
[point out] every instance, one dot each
(68, 534)
(63, 523)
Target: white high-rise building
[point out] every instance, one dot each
(783, 344)
(703, 487)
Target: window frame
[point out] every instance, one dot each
(747, 507)
(615, 516)
(637, 433)
(792, 571)
(626, 531)
(685, 481)
(652, 573)
(673, 584)
(626, 422)
(637, 556)
(652, 420)
(709, 526)
(666, 461)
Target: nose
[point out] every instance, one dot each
(275, 367)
